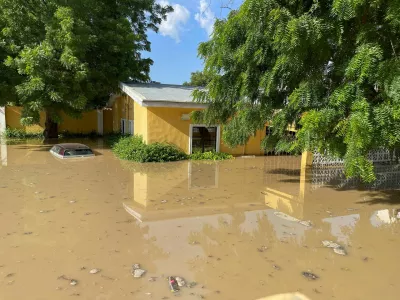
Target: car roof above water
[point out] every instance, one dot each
(70, 146)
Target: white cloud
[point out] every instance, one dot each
(205, 17)
(174, 25)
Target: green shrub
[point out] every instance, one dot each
(129, 148)
(161, 152)
(133, 148)
(211, 155)
(14, 133)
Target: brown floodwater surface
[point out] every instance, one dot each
(233, 227)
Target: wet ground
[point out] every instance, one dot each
(233, 227)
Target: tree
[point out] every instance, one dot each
(70, 55)
(331, 67)
(199, 79)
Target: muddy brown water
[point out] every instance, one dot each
(232, 227)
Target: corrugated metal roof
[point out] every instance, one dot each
(162, 92)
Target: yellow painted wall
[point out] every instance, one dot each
(165, 125)
(123, 108)
(86, 124)
(13, 117)
(140, 121)
(108, 121)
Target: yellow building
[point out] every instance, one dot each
(99, 121)
(161, 113)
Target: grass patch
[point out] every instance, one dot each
(21, 134)
(211, 155)
(134, 149)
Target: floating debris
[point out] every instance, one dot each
(173, 284)
(309, 275)
(276, 267)
(306, 223)
(137, 272)
(152, 279)
(330, 244)
(28, 233)
(191, 284)
(262, 249)
(338, 249)
(181, 282)
(94, 271)
(164, 201)
(73, 282)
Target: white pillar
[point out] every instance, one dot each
(2, 119)
(3, 153)
(100, 122)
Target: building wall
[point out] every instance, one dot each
(108, 121)
(13, 120)
(86, 124)
(140, 121)
(165, 125)
(123, 108)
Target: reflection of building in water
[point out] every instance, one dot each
(384, 217)
(3, 153)
(342, 227)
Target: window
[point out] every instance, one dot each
(130, 129)
(123, 126)
(204, 138)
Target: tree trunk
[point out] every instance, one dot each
(51, 130)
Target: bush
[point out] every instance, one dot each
(129, 148)
(133, 148)
(14, 133)
(211, 155)
(161, 152)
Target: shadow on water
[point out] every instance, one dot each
(384, 197)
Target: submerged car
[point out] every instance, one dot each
(71, 150)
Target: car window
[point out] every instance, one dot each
(78, 152)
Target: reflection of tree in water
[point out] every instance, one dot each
(231, 251)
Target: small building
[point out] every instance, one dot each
(161, 113)
(157, 112)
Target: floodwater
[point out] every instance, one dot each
(232, 227)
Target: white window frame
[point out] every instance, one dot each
(131, 127)
(123, 126)
(218, 143)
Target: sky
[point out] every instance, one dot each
(174, 47)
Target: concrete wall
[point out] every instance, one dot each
(165, 125)
(86, 124)
(13, 120)
(123, 108)
(108, 121)
(140, 121)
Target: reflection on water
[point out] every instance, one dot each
(235, 227)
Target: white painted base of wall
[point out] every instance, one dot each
(3, 154)
(2, 119)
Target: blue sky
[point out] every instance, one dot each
(174, 47)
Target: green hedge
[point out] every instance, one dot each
(211, 155)
(21, 134)
(133, 148)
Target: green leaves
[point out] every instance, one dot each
(332, 68)
(70, 55)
